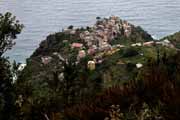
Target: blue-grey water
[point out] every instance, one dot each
(42, 17)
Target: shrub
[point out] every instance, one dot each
(130, 52)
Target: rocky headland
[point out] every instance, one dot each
(112, 52)
(109, 39)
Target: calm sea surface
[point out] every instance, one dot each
(42, 17)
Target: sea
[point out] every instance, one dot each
(44, 17)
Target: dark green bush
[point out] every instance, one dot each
(130, 52)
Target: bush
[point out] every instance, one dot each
(7, 92)
(130, 52)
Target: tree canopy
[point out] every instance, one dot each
(9, 29)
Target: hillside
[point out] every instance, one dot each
(105, 37)
(116, 46)
(174, 39)
(78, 62)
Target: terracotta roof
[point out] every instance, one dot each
(77, 45)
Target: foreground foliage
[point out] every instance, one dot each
(9, 28)
(153, 95)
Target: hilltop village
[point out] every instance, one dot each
(96, 40)
(110, 45)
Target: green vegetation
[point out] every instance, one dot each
(127, 83)
(138, 35)
(9, 28)
(152, 95)
(175, 39)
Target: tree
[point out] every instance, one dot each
(130, 52)
(9, 28)
(7, 94)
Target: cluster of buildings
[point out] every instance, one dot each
(96, 40)
(104, 31)
(165, 42)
